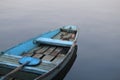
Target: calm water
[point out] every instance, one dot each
(99, 22)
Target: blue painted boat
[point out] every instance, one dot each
(40, 58)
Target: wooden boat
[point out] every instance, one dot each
(40, 58)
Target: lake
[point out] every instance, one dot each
(98, 56)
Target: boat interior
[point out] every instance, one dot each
(51, 52)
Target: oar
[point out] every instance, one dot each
(25, 61)
(13, 71)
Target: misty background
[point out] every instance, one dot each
(98, 56)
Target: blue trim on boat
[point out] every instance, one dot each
(28, 45)
(21, 48)
(51, 34)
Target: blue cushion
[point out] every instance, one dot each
(54, 42)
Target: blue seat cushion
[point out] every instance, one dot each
(54, 42)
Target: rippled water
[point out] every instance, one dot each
(98, 56)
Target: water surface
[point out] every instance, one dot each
(98, 20)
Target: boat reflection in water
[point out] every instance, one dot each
(66, 69)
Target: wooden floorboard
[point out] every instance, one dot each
(53, 54)
(48, 57)
(38, 55)
(13, 60)
(37, 48)
(46, 66)
(58, 59)
(42, 50)
(30, 53)
(50, 50)
(58, 36)
(56, 51)
(66, 35)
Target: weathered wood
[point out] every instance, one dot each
(52, 55)
(37, 52)
(65, 36)
(38, 55)
(48, 57)
(42, 50)
(35, 49)
(58, 36)
(61, 55)
(58, 59)
(12, 60)
(30, 53)
(50, 50)
(56, 51)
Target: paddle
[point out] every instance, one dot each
(25, 61)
